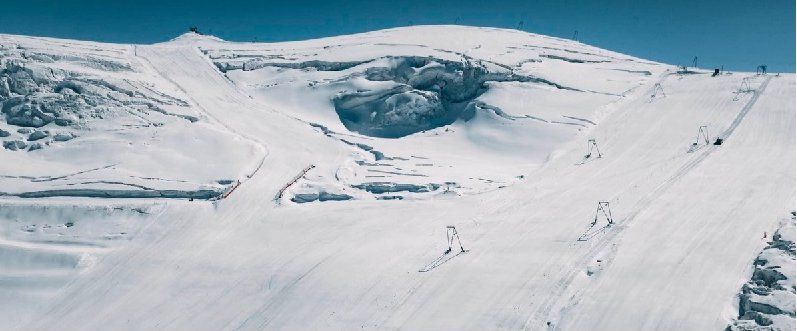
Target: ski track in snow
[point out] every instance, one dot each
(614, 231)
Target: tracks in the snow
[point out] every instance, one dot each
(603, 241)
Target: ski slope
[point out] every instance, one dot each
(483, 129)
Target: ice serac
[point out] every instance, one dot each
(97, 118)
(428, 93)
(766, 301)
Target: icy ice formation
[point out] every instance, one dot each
(767, 301)
(34, 92)
(100, 121)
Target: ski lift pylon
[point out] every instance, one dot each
(702, 132)
(603, 207)
(592, 144)
(590, 232)
(658, 89)
(451, 234)
(745, 86)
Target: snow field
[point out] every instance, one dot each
(687, 219)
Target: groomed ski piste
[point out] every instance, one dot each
(418, 178)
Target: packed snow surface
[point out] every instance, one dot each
(213, 185)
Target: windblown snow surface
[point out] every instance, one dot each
(200, 184)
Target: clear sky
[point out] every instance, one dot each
(737, 34)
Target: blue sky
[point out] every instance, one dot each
(737, 34)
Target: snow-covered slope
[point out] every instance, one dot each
(474, 108)
(482, 129)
